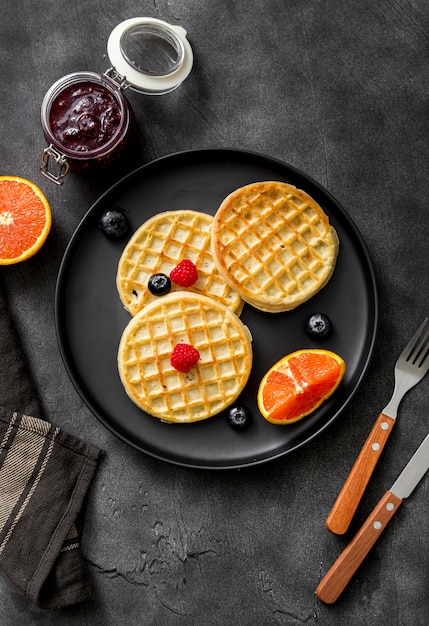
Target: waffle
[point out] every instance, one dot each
(221, 373)
(158, 246)
(274, 245)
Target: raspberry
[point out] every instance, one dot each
(184, 357)
(184, 274)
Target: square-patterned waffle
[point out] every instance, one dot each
(223, 343)
(158, 246)
(274, 245)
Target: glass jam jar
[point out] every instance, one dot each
(86, 119)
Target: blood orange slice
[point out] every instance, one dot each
(297, 384)
(25, 219)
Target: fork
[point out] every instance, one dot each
(411, 366)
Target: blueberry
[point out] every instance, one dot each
(318, 326)
(159, 284)
(113, 223)
(238, 417)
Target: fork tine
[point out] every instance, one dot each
(422, 357)
(419, 349)
(414, 341)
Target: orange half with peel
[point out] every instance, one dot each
(298, 384)
(25, 219)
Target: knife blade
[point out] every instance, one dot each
(336, 579)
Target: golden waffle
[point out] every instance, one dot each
(150, 380)
(158, 246)
(273, 244)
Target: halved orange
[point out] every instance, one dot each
(25, 219)
(297, 384)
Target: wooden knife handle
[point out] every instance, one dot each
(350, 495)
(336, 579)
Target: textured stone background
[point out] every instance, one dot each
(340, 91)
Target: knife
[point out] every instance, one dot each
(339, 575)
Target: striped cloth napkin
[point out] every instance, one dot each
(45, 474)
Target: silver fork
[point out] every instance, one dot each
(411, 366)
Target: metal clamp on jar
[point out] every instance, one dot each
(86, 119)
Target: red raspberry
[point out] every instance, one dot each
(184, 357)
(184, 274)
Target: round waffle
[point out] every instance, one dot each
(274, 245)
(158, 246)
(145, 349)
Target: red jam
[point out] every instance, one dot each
(87, 122)
(84, 117)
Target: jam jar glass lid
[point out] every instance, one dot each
(152, 56)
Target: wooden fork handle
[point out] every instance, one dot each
(339, 575)
(350, 495)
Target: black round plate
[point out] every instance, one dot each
(90, 317)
